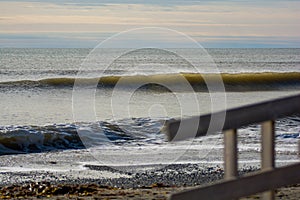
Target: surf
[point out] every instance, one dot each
(231, 81)
(79, 135)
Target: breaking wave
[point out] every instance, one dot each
(238, 81)
(34, 139)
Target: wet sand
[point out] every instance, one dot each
(75, 174)
(101, 182)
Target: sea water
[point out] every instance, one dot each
(37, 114)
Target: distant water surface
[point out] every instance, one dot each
(36, 95)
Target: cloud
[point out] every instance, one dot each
(217, 20)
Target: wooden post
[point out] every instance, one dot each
(268, 152)
(298, 153)
(230, 154)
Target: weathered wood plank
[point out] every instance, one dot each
(244, 186)
(235, 118)
(268, 152)
(230, 154)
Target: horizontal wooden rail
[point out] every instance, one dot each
(244, 186)
(235, 118)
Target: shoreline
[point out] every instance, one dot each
(78, 170)
(172, 175)
(150, 184)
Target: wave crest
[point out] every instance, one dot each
(239, 81)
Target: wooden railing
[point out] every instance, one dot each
(233, 186)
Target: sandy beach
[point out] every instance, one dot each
(75, 175)
(47, 190)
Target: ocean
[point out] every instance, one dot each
(59, 100)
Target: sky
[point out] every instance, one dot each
(213, 24)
